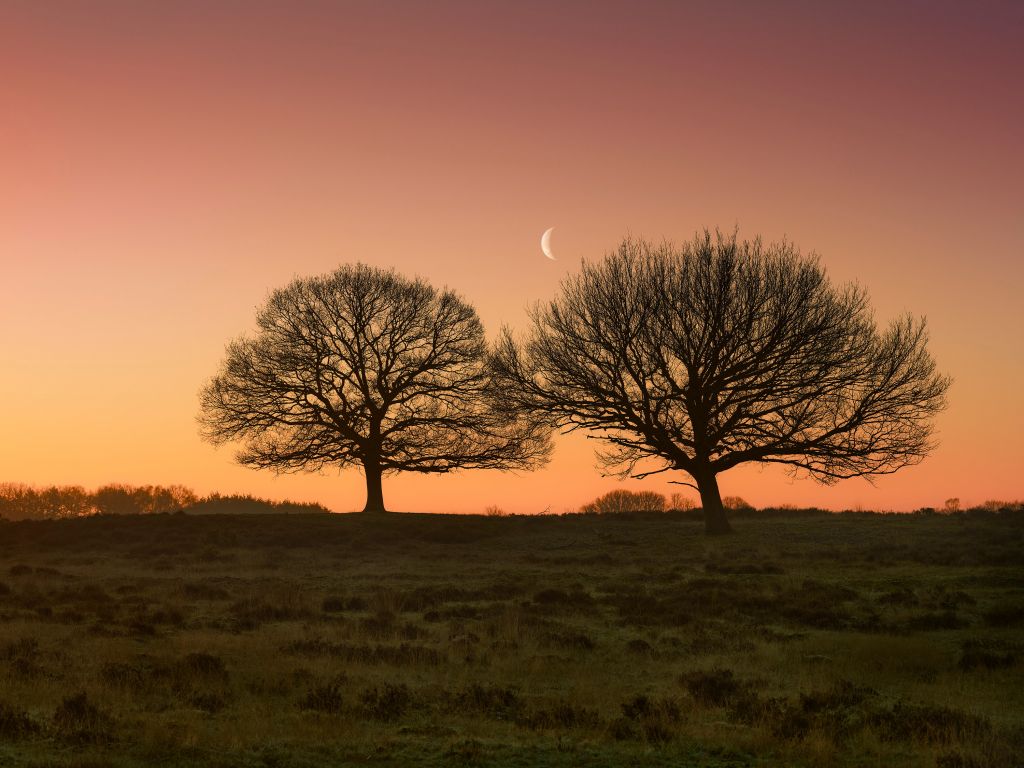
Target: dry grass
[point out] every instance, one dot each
(583, 640)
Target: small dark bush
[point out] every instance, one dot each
(1005, 615)
(655, 718)
(132, 676)
(937, 621)
(491, 700)
(562, 715)
(78, 719)
(957, 760)
(715, 688)
(639, 646)
(933, 725)
(333, 605)
(766, 567)
(387, 703)
(252, 612)
(20, 570)
(210, 702)
(903, 597)
(623, 729)
(15, 724)
(466, 752)
(326, 697)
(575, 641)
(204, 665)
(557, 597)
(397, 655)
(198, 590)
(978, 654)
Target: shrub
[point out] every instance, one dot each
(978, 654)
(562, 715)
(681, 503)
(78, 719)
(205, 666)
(494, 701)
(326, 697)
(737, 504)
(713, 688)
(930, 724)
(387, 703)
(639, 646)
(333, 605)
(1005, 615)
(625, 501)
(15, 724)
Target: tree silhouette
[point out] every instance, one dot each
(722, 352)
(363, 366)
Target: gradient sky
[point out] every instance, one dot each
(163, 165)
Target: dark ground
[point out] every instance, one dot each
(422, 640)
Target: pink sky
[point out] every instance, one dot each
(164, 165)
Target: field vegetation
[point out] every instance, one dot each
(581, 640)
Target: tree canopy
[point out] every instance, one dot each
(702, 357)
(365, 367)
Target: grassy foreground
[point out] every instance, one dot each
(422, 640)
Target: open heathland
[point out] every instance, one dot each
(580, 640)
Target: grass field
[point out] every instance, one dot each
(422, 640)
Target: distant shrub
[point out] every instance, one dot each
(326, 697)
(15, 724)
(24, 502)
(495, 511)
(625, 501)
(647, 718)
(929, 724)
(681, 503)
(216, 504)
(204, 665)
(78, 719)
(737, 504)
(979, 654)
(712, 688)
(387, 703)
(333, 604)
(1005, 615)
(562, 715)
(494, 701)
(995, 505)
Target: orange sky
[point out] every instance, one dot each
(164, 165)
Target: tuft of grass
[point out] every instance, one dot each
(388, 702)
(324, 697)
(78, 720)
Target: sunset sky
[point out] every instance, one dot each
(164, 165)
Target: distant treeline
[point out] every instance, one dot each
(623, 501)
(25, 502)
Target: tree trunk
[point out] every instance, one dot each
(715, 521)
(374, 491)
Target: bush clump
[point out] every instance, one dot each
(620, 501)
(325, 697)
(929, 724)
(79, 720)
(712, 688)
(387, 703)
(16, 724)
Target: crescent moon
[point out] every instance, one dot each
(545, 243)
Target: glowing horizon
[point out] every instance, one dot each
(166, 166)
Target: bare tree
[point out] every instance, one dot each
(722, 352)
(363, 366)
